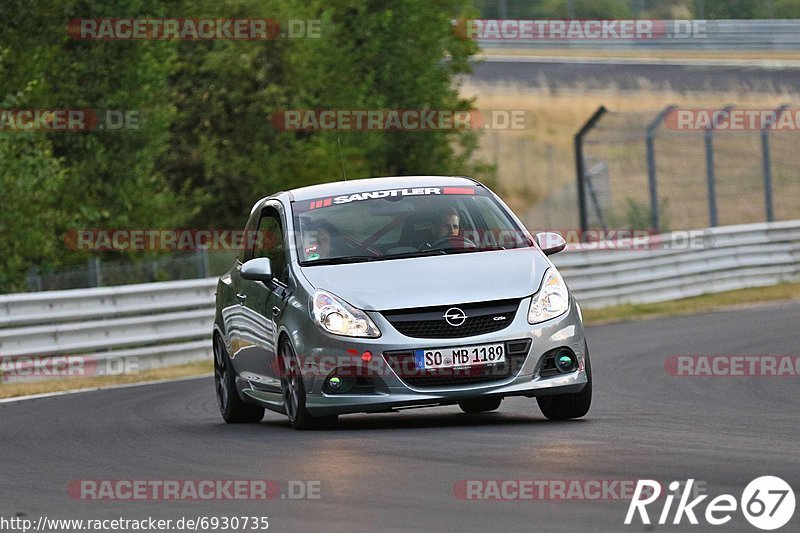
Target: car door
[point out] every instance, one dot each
(234, 314)
(263, 303)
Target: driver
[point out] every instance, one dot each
(447, 224)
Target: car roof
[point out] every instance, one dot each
(373, 184)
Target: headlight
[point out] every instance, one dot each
(340, 318)
(551, 301)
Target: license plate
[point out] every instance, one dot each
(460, 356)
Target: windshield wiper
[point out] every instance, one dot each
(425, 253)
(340, 260)
(407, 255)
(461, 250)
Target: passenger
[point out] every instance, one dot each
(326, 240)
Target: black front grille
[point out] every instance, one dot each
(548, 367)
(429, 323)
(403, 363)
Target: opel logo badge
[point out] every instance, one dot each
(455, 316)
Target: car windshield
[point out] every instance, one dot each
(400, 223)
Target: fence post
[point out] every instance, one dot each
(651, 166)
(202, 263)
(579, 167)
(34, 280)
(95, 279)
(712, 191)
(767, 164)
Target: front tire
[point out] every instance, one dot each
(231, 406)
(566, 406)
(294, 393)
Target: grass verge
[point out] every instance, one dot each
(9, 390)
(693, 305)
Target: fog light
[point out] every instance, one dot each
(566, 362)
(338, 384)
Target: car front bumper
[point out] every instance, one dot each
(320, 353)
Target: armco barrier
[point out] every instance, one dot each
(729, 257)
(152, 324)
(717, 35)
(161, 324)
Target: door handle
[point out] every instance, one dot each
(276, 310)
(241, 296)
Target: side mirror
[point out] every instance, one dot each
(257, 270)
(550, 242)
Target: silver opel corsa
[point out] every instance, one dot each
(383, 294)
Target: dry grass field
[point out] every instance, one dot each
(536, 165)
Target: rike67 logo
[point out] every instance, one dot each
(767, 502)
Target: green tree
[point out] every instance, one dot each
(378, 55)
(206, 149)
(99, 179)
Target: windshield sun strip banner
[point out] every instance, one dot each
(319, 203)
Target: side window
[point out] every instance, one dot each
(269, 242)
(488, 215)
(246, 252)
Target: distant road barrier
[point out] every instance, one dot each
(730, 257)
(717, 35)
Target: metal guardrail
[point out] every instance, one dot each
(162, 324)
(728, 258)
(151, 324)
(773, 35)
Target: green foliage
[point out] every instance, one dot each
(205, 149)
(587, 9)
(32, 182)
(558, 8)
(377, 55)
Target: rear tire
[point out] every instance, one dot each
(231, 406)
(480, 405)
(294, 394)
(566, 406)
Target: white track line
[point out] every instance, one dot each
(107, 387)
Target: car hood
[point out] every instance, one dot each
(433, 280)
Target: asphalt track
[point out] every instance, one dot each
(397, 471)
(634, 74)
